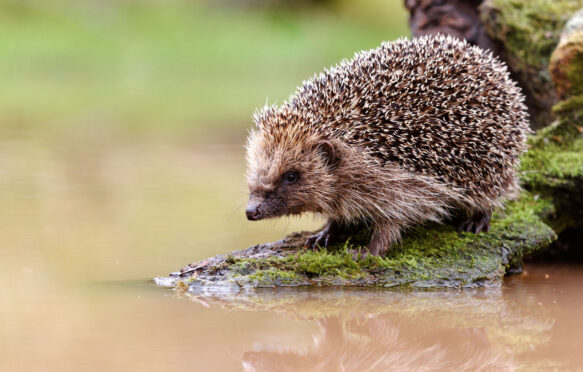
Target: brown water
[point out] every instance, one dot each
(85, 224)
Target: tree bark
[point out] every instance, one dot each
(459, 18)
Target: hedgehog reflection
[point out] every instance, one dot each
(377, 344)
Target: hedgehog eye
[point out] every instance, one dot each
(290, 178)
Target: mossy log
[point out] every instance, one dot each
(436, 255)
(428, 256)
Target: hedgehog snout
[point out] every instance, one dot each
(253, 212)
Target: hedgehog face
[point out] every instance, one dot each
(288, 177)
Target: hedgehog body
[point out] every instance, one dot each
(408, 132)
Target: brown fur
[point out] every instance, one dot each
(399, 135)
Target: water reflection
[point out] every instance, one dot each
(378, 343)
(490, 329)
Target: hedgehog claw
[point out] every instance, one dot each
(322, 238)
(478, 222)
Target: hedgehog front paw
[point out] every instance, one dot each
(323, 238)
(479, 221)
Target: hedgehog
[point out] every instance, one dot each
(412, 131)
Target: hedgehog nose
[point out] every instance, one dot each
(253, 213)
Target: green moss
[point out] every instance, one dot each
(527, 209)
(530, 29)
(309, 264)
(556, 153)
(271, 277)
(570, 105)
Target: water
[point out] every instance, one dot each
(86, 222)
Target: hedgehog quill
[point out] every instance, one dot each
(412, 131)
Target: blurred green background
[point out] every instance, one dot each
(171, 66)
(123, 123)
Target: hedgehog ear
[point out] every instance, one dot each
(328, 149)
